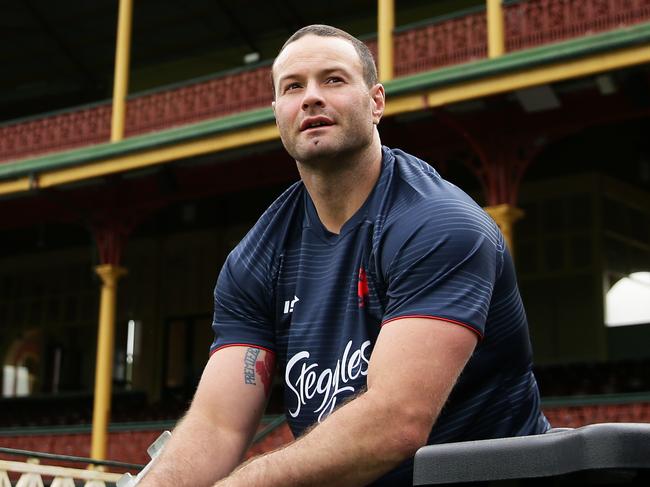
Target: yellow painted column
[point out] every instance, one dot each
(121, 78)
(505, 216)
(385, 27)
(496, 30)
(109, 275)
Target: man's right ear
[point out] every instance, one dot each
(378, 96)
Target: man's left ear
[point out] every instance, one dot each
(378, 96)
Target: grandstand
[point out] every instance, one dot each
(124, 204)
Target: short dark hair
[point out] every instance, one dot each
(320, 30)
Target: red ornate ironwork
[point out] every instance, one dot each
(445, 43)
(452, 41)
(536, 22)
(217, 97)
(500, 156)
(55, 133)
(111, 240)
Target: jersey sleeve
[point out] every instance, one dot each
(442, 267)
(242, 300)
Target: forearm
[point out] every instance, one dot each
(357, 444)
(197, 454)
(375, 432)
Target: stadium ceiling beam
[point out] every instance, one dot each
(239, 26)
(297, 21)
(63, 46)
(548, 64)
(511, 81)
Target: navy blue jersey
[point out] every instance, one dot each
(418, 247)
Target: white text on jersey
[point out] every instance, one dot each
(328, 383)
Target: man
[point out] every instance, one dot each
(373, 283)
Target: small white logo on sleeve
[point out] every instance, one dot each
(289, 304)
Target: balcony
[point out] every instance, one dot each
(421, 47)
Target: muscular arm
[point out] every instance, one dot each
(213, 436)
(413, 368)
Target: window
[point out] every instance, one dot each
(15, 381)
(628, 300)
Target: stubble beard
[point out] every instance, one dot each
(333, 153)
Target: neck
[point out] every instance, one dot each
(340, 187)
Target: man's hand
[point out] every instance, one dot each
(414, 365)
(213, 436)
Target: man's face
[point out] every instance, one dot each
(323, 107)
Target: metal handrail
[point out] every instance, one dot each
(70, 458)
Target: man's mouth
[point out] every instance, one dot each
(315, 122)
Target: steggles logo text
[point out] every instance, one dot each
(328, 383)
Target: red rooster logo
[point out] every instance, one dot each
(362, 288)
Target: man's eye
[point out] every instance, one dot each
(333, 79)
(291, 86)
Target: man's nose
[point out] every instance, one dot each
(312, 97)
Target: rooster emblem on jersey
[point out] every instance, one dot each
(362, 288)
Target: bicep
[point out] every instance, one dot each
(442, 271)
(234, 387)
(416, 362)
